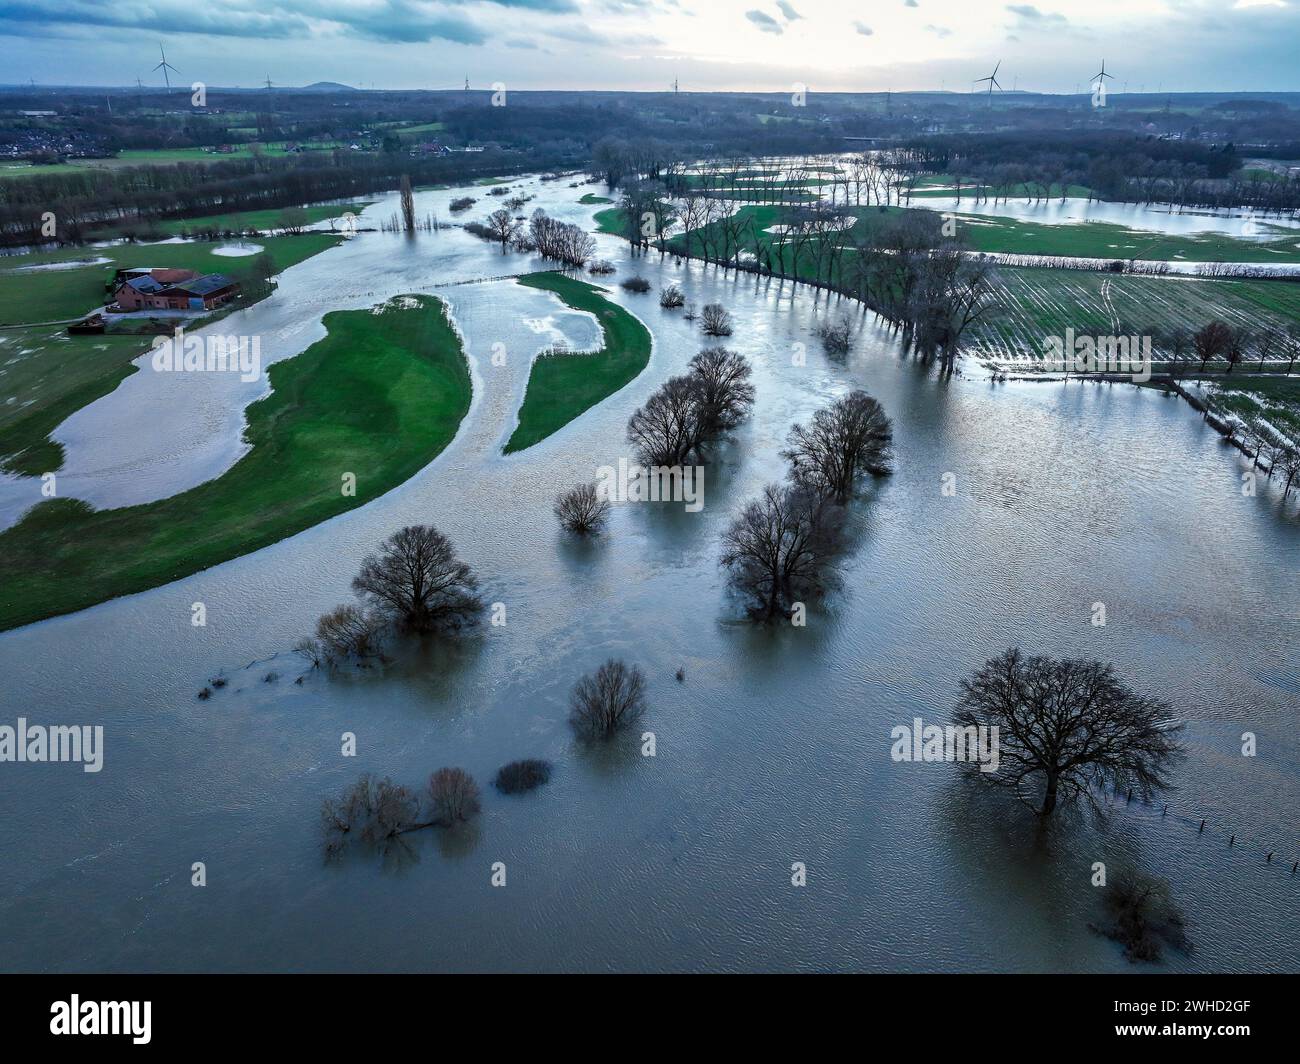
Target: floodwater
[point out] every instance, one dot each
(1141, 217)
(774, 749)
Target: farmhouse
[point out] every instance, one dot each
(163, 289)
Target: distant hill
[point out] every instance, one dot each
(326, 86)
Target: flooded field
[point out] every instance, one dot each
(775, 748)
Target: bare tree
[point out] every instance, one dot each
(374, 812)
(671, 297)
(1288, 461)
(609, 699)
(417, 580)
(781, 550)
(845, 442)
(1211, 339)
(1067, 728)
(668, 428)
(715, 320)
(453, 797)
(348, 631)
(503, 227)
(723, 389)
(581, 510)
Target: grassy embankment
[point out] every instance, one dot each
(379, 397)
(590, 199)
(562, 386)
(47, 375)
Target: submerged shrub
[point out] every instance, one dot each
(519, 776)
(715, 320)
(636, 284)
(671, 297)
(582, 510)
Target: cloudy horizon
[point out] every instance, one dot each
(741, 45)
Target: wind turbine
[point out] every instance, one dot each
(165, 66)
(992, 79)
(1102, 75)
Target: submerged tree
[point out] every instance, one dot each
(379, 813)
(607, 700)
(453, 797)
(503, 227)
(1067, 728)
(715, 320)
(582, 510)
(724, 391)
(417, 580)
(374, 812)
(781, 549)
(668, 429)
(845, 442)
(1143, 917)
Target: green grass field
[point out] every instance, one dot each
(1102, 240)
(1038, 303)
(31, 296)
(563, 386)
(143, 157)
(379, 397)
(590, 198)
(1275, 400)
(244, 221)
(47, 375)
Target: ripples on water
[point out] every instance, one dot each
(774, 750)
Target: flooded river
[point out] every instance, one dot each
(774, 750)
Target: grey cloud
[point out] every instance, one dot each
(764, 22)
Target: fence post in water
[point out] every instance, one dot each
(1201, 828)
(1232, 840)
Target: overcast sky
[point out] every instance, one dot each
(1220, 45)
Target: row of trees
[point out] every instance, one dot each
(562, 242)
(901, 266)
(128, 200)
